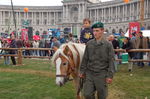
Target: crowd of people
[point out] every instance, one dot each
(138, 41)
(98, 59)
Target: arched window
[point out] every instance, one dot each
(113, 31)
(74, 14)
(120, 30)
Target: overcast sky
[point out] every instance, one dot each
(34, 2)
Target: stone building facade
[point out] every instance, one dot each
(115, 14)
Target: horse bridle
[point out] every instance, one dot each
(69, 71)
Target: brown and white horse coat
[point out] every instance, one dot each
(67, 60)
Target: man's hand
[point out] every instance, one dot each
(81, 75)
(109, 80)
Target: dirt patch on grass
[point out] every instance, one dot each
(28, 71)
(115, 94)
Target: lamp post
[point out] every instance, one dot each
(14, 19)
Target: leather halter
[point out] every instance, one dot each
(70, 69)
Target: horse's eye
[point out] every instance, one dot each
(64, 63)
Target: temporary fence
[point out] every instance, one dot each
(20, 56)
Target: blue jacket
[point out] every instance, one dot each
(86, 35)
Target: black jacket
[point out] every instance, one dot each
(128, 46)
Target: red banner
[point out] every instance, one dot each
(134, 27)
(24, 34)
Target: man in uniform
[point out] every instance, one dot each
(97, 64)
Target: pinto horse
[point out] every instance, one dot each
(67, 60)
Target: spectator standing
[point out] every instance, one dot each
(36, 45)
(0, 46)
(115, 44)
(70, 38)
(42, 45)
(127, 45)
(55, 44)
(120, 40)
(5, 52)
(62, 39)
(13, 45)
(141, 43)
(148, 54)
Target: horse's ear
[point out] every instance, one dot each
(55, 49)
(66, 50)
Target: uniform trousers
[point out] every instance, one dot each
(95, 82)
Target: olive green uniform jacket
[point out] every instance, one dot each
(98, 56)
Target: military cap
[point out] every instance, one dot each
(98, 25)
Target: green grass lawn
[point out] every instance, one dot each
(19, 85)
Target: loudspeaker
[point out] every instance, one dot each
(30, 33)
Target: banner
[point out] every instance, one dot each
(134, 27)
(24, 34)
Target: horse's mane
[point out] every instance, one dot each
(59, 51)
(79, 47)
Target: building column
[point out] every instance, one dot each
(0, 17)
(49, 18)
(90, 14)
(123, 13)
(127, 12)
(32, 18)
(148, 11)
(39, 18)
(116, 18)
(19, 15)
(63, 12)
(104, 14)
(42, 18)
(97, 14)
(79, 11)
(112, 14)
(146, 8)
(94, 15)
(47, 23)
(119, 13)
(54, 18)
(130, 13)
(83, 9)
(4, 18)
(109, 17)
(66, 12)
(16, 16)
(137, 12)
(134, 18)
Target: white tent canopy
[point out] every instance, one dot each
(146, 33)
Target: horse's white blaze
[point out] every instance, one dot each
(75, 49)
(58, 72)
